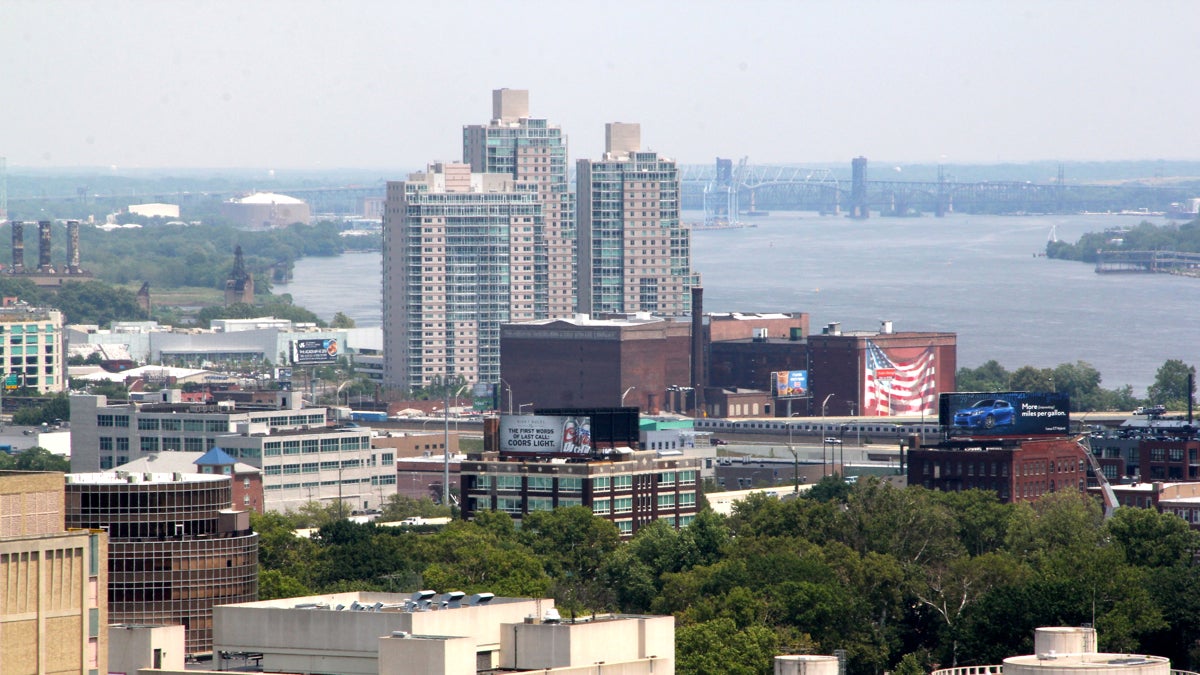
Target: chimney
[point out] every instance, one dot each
(698, 374)
(44, 265)
(73, 247)
(18, 246)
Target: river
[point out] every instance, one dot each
(977, 276)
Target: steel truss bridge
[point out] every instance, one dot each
(726, 191)
(723, 189)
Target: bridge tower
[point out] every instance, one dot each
(943, 197)
(858, 188)
(721, 196)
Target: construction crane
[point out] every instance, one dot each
(1107, 494)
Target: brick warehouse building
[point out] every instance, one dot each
(584, 362)
(879, 373)
(1016, 470)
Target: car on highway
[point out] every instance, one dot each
(833, 441)
(717, 441)
(986, 414)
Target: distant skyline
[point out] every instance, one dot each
(310, 85)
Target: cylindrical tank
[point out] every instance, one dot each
(806, 664)
(44, 246)
(18, 246)
(1064, 640)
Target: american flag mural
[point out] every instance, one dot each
(899, 387)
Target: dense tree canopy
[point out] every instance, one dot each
(896, 577)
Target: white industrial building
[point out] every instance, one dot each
(363, 633)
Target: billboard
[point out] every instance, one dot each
(789, 383)
(893, 385)
(314, 352)
(1007, 413)
(547, 435)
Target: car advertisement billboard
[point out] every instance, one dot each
(548, 435)
(1009, 413)
(314, 352)
(789, 383)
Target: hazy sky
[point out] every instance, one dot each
(308, 85)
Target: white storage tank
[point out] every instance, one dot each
(806, 664)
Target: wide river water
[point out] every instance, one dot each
(976, 276)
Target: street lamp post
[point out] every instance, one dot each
(825, 403)
(509, 388)
(795, 461)
(446, 447)
(521, 408)
(624, 393)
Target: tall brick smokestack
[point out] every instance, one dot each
(18, 246)
(698, 376)
(44, 247)
(73, 247)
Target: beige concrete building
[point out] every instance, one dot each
(532, 150)
(449, 633)
(634, 252)
(460, 257)
(132, 647)
(53, 582)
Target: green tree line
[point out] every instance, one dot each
(1081, 381)
(894, 576)
(1144, 237)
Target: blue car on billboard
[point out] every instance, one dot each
(985, 414)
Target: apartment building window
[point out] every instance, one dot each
(666, 478)
(541, 504)
(272, 449)
(601, 506)
(509, 504)
(622, 482)
(687, 499)
(625, 527)
(483, 482)
(508, 482)
(106, 443)
(666, 501)
(193, 444)
(570, 484)
(540, 483)
(623, 505)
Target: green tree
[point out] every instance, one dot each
(34, 459)
(1152, 539)
(340, 320)
(718, 647)
(1170, 386)
(991, 376)
(1028, 378)
(400, 506)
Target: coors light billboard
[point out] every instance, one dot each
(546, 435)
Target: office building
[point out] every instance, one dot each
(31, 347)
(630, 488)
(302, 457)
(531, 150)
(460, 258)
(53, 581)
(105, 435)
(634, 252)
(363, 633)
(176, 548)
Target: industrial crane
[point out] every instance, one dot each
(1106, 492)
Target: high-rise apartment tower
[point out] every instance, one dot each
(532, 150)
(634, 253)
(460, 258)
